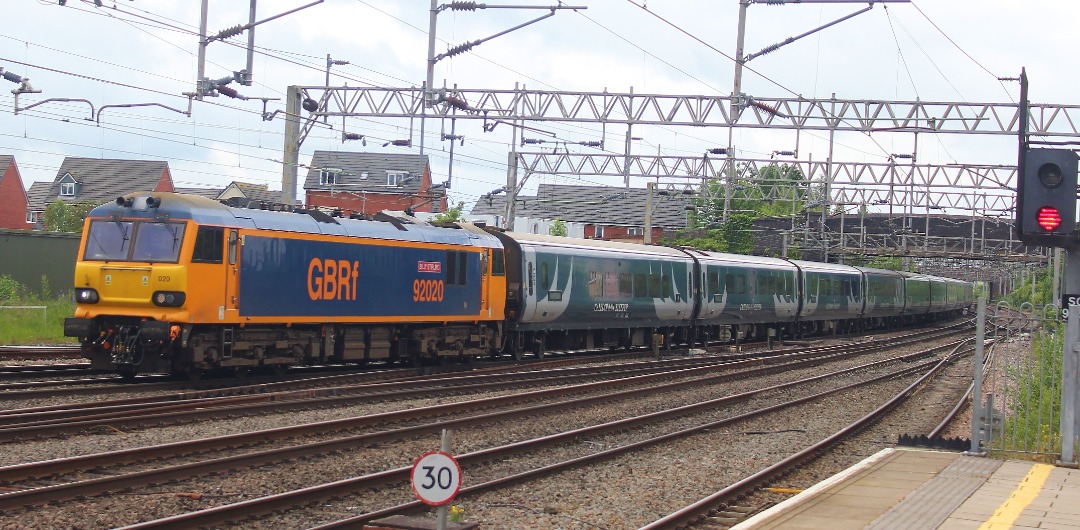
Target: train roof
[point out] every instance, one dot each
(595, 244)
(881, 272)
(739, 259)
(832, 268)
(209, 212)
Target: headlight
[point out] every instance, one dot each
(169, 298)
(86, 296)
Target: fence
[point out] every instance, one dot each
(44, 310)
(1028, 386)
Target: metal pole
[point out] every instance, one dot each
(649, 188)
(511, 175)
(202, 51)
(443, 510)
(976, 387)
(1069, 368)
(432, 18)
(249, 72)
(291, 157)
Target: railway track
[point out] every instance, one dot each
(645, 384)
(327, 391)
(39, 352)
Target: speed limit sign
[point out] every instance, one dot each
(436, 478)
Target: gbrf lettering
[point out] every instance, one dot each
(329, 279)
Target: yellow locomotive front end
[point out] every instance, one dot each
(130, 286)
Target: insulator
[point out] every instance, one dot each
(462, 6)
(352, 136)
(230, 32)
(768, 49)
(401, 143)
(590, 144)
(231, 92)
(717, 151)
(785, 153)
(460, 48)
(14, 78)
(767, 108)
(457, 102)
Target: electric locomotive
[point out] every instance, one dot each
(178, 283)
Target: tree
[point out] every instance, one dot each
(451, 215)
(558, 228)
(64, 217)
(776, 190)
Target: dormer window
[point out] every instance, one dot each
(329, 177)
(67, 185)
(395, 178)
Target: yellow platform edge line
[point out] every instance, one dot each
(1026, 492)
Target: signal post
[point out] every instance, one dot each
(1046, 196)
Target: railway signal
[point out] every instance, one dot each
(1046, 197)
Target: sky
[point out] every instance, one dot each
(145, 51)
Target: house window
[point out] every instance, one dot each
(395, 178)
(598, 232)
(30, 217)
(635, 231)
(67, 189)
(329, 177)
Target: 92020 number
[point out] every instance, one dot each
(428, 290)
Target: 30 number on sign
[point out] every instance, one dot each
(436, 478)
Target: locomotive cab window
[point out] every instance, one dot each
(109, 240)
(209, 245)
(134, 241)
(498, 265)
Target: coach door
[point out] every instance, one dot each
(232, 276)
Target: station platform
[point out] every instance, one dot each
(907, 489)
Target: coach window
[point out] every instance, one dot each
(665, 287)
(654, 286)
(626, 286)
(641, 288)
(209, 245)
(530, 277)
(596, 284)
(545, 281)
(740, 283)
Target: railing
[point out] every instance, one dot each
(44, 310)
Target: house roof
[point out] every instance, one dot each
(353, 167)
(258, 192)
(592, 204)
(5, 161)
(100, 180)
(38, 194)
(209, 193)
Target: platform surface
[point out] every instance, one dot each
(920, 489)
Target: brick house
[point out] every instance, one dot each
(97, 181)
(13, 200)
(608, 213)
(367, 183)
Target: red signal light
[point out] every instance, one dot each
(1049, 218)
